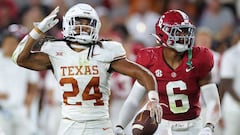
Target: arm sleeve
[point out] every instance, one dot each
(211, 96)
(131, 104)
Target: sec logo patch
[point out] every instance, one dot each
(158, 73)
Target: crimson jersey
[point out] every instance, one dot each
(179, 88)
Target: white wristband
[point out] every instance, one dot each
(34, 34)
(153, 95)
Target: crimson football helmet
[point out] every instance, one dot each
(174, 29)
(73, 28)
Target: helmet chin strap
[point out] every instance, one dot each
(189, 62)
(158, 40)
(77, 45)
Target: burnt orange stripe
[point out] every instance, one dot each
(119, 57)
(38, 30)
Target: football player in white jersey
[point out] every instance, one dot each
(19, 86)
(51, 110)
(229, 88)
(1, 132)
(82, 65)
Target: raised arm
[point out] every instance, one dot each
(23, 56)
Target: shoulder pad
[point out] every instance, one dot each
(110, 51)
(50, 47)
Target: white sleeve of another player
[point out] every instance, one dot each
(131, 104)
(227, 65)
(211, 96)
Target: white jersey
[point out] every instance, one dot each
(230, 66)
(14, 82)
(230, 69)
(52, 84)
(215, 69)
(84, 82)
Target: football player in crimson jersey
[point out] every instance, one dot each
(82, 66)
(183, 75)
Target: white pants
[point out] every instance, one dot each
(231, 115)
(99, 127)
(15, 122)
(51, 114)
(189, 127)
(1, 132)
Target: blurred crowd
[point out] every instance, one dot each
(129, 21)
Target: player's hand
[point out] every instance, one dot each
(155, 110)
(118, 131)
(154, 106)
(46, 24)
(206, 131)
(49, 21)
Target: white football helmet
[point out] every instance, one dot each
(73, 30)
